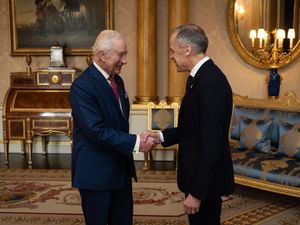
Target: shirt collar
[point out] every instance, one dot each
(105, 74)
(198, 65)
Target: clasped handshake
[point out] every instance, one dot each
(149, 140)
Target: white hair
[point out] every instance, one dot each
(104, 41)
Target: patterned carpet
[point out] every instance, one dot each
(45, 197)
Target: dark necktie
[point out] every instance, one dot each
(114, 86)
(189, 83)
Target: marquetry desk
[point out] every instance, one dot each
(37, 104)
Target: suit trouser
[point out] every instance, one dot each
(209, 213)
(108, 207)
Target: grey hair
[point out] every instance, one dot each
(104, 41)
(193, 35)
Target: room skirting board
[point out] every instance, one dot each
(61, 144)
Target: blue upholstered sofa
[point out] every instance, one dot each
(265, 143)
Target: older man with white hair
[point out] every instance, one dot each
(102, 159)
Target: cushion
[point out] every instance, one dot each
(289, 140)
(238, 112)
(282, 117)
(255, 134)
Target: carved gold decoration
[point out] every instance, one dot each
(141, 108)
(274, 55)
(49, 132)
(145, 99)
(28, 131)
(4, 128)
(64, 77)
(163, 105)
(89, 59)
(267, 186)
(177, 99)
(28, 61)
(290, 99)
(55, 79)
(161, 115)
(288, 102)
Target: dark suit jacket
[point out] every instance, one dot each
(102, 147)
(205, 167)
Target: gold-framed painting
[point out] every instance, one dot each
(36, 25)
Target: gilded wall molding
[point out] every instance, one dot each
(287, 102)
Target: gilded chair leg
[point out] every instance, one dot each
(23, 147)
(146, 162)
(29, 147)
(6, 150)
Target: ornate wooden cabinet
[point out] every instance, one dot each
(37, 104)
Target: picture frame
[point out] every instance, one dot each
(36, 25)
(162, 116)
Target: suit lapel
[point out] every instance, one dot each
(122, 97)
(104, 85)
(200, 73)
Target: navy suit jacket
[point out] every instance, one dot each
(205, 167)
(102, 147)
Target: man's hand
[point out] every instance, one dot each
(149, 140)
(151, 134)
(191, 204)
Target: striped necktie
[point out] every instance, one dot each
(114, 86)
